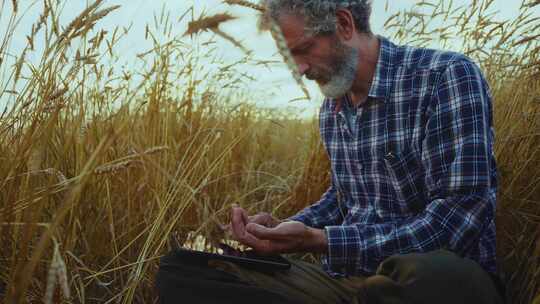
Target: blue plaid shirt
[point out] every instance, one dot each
(415, 170)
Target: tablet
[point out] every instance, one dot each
(247, 259)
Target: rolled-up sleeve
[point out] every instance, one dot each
(457, 157)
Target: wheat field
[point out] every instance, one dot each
(103, 171)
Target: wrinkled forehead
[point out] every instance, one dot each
(293, 27)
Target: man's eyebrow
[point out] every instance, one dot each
(299, 44)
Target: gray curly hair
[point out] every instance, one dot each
(320, 15)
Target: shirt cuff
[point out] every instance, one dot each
(344, 250)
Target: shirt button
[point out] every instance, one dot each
(390, 156)
(359, 166)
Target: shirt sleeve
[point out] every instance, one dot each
(323, 213)
(457, 159)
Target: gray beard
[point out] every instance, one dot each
(343, 76)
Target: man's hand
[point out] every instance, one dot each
(287, 237)
(265, 219)
(267, 235)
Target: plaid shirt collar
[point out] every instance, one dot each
(381, 83)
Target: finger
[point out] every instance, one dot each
(273, 241)
(259, 218)
(264, 247)
(243, 214)
(245, 217)
(265, 233)
(248, 239)
(237, 222)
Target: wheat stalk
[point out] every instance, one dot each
(51, 280)
(226, 36)
(128, 161)
(114, 168)
(56, 94)
(57, 273)
(283, 49)
(212, 23)
(50, 171)
(247, 4)
(38, 25)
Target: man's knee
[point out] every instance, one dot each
(170, 267)
(178, 267)
(175, 264)
(439, 263)
(197, 281)
(380, 289)
(174, 268)
(421, 277)
(181, 276)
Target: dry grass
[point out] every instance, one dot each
(103, 170)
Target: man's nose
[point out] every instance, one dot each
(302, 68)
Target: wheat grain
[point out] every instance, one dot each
(57, 94)
(247, 4)
(62, 275)
(207, 23)
(51, 280)
(525, 40)
(154, 150)
(89, 21)
(533, 3)
(15, 6)
(115, 168)
(79, 20)
(50, 171)
(57, 273)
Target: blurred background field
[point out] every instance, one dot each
(105, 168)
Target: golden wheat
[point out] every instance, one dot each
(247, 4)
(136, 159)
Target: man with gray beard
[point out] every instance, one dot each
(409, 214)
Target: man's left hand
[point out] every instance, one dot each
(287, 237)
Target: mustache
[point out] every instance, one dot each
(314, 74)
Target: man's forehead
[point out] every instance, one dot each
(293, 29)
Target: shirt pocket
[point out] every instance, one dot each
(378, 200)
(406, 175)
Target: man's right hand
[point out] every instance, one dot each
(240, 218)
(267, 235)
(264, 219)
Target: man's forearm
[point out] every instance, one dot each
(316, 240)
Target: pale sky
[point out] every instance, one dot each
(274, 88)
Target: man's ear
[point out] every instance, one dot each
(345, 27)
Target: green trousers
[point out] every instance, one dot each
(436, 277)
